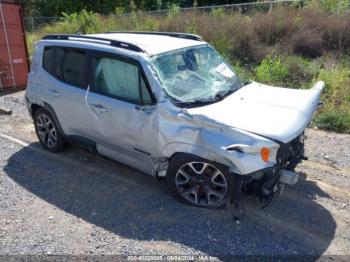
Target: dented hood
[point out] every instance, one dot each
(278, 113)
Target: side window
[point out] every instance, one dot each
(119, 79)
(73, 67)
(49, 60)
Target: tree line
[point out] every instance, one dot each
(57, 7)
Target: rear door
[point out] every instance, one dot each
(66, 81)
(122, 110)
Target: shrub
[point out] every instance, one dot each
(336, 35)
(300, 71)
(86, 22)
(243, 72)
(150, 24)
(217, 12)
(191, 27)
(336, 6)
(273, 26)
(174, 10)
(287, 71)
(335, 115)
(337, 86)
(272, 70)
(338, 121)
(119, 10)
(307, 43)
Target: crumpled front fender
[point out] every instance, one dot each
(183, 134)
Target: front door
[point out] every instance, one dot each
(122, 110)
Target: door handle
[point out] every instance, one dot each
(146, 109)
(99, 107)
(54, 92)
(139, 108)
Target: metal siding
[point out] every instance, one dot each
(13, 49)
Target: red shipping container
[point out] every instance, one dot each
(14, 62)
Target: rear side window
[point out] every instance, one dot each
(49, 59)
(73, 67)
(66, 64)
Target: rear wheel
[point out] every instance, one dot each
(47, 131)
(199, 182)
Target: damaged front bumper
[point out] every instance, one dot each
(264, 183)
(259, 188)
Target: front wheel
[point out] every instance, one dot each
(199, 182)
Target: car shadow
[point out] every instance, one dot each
(135, 206)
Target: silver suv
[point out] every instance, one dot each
(169, 105)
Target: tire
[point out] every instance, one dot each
(199, 182)
(47, 131)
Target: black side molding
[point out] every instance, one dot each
(141, 151)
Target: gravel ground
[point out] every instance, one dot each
(77, 203)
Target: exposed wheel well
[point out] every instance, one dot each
(34, 108)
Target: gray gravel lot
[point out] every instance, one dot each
(77, 203)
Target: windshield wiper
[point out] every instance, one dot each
(205, 101)
(194, 103)
(223, 94)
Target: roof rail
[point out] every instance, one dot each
(179, 35)
(115, 43)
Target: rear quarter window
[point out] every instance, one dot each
(68, 65)
(73, 67)
(49, 60)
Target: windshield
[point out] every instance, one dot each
(195, 74)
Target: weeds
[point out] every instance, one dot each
(291, 47)
(338, 121)
(83, 22)
(272, 70)
(337, 91)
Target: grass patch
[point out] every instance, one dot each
(272, 71)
